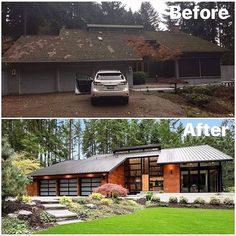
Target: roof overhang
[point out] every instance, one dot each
(203, 153)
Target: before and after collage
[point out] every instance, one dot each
(118, 117)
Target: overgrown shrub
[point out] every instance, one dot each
(206, 90)
(96, 196)
(214, 201)
(14, 226)
(46, 217)
(228, 201)
(230, 189)
(139, 77)
(25, 199)
(149, 196)
(199, 201)
(65, 200)
(183, 200)
(111, 190)
(155, 199)
(173, 200)
(106, 201)
(200, 100)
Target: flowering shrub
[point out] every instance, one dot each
(111, 190)
(65, 201)
(228, 201)
(96, 196)
(199, 201)
(155, 199)
(173, 200)
(106, 201)
(183, 200)
(214, 201)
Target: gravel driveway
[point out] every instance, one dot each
(71, 105)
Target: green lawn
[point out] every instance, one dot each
(156, 220)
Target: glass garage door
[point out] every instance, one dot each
(88, 184)
(48, 187)
(68, 187)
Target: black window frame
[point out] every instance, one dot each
(89, 184)
(69, 185)
(48, 185)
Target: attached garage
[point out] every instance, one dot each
(68, 187)
(48, 187)
(88, 184)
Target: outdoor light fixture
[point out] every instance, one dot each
(171, 171)
(13, 72)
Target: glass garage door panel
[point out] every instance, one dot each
(68, 187)
(88, 184)
(48, 187)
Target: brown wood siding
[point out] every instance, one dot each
(172, 178)
(117, 176)
(32, 188)
(145, 182)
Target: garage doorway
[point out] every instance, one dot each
(88, 184)
(68, 187)
(48, 187)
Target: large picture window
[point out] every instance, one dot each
(200, 177)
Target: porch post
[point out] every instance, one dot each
(177, 69)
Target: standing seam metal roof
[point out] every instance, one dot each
(192, 154)
(107, 162)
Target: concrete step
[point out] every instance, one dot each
(68, 222)
(53, 206)
(61, 215)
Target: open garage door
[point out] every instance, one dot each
(48, 187)
(88, 184)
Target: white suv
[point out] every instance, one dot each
(109, 84)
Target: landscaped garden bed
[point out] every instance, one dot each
(203, 100)
(107, 210)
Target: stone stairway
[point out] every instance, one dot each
(62, 215)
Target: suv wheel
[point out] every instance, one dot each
(126, 100)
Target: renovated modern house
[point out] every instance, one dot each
(47, 63)
(138, 168)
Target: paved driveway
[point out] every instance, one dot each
(71, 105)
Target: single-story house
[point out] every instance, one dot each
(47, 63)
(138, 168)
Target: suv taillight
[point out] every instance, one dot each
(123, 83)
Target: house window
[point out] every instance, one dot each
(200, 177)
(68, 187)
(88, 184)
(48, 187)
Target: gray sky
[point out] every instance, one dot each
(159, 6)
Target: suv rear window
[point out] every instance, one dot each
(110, 76)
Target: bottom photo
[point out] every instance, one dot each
(118, 176)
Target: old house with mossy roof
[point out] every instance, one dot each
(48, 63)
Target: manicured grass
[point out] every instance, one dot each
(156, 220)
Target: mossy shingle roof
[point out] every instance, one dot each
(83, 46)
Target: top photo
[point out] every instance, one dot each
(118, 59)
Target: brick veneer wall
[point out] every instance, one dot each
(117, 176)
(172, 178)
